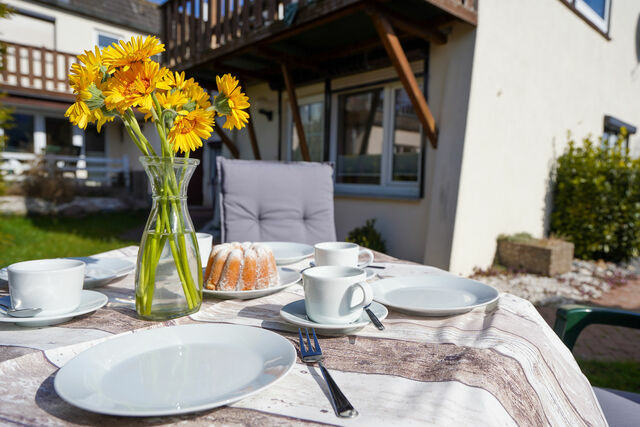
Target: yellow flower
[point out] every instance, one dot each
(198, 95)
(190, 128)
(133, 87)
(80, 115)
(91, 59)
(135, 51)
(177, 80)
(236, 101)
(173, 99)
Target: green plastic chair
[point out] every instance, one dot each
(620, 408)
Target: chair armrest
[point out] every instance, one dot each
(572, 319)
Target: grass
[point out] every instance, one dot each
(619, 375)
(25, 238)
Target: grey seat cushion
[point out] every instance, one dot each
(621, 408)
(274, 201)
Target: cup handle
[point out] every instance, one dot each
(369, 254)
(368, 295)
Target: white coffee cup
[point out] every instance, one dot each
(335, 294)
(54, 285)
(341, 253)
(205, 242)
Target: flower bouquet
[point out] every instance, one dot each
(114, 83)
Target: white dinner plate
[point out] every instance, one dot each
(433, 295)
(289, 252)
(288, 277)
(296, 313)
(175, 370)
(98, 272)
(89, 301)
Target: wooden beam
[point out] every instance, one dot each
(413, 26)
(227, 141)
(293, 60)
(252, 138)
(408, 79)
(295, 111)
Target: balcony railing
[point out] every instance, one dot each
(36, 70)
(192, 28)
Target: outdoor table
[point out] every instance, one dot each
(499, 365)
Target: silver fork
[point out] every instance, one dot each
(313, 354)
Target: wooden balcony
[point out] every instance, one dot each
(36, 71)
(197, 31)
(288, 43)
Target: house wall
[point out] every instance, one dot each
(539, 71)
(73, 33)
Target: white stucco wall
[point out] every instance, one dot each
(73, 33)
(538, 71)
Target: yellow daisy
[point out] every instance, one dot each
(231, 98)
(190, 128)
(91, 59)
(133, 87)
(199, 96)
(177, 80)
(173, 99)
(135, 51)
(80, 115)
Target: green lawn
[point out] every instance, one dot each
(619, 375)
(25, 238)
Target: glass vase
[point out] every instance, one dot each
(168, 270)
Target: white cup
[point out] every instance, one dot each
(205, 242)
(341, 253)
(54, 285)
(335, 294)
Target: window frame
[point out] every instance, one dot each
(98, 32)
(387, 188)
(584, 11)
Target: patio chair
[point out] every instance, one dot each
(275, 201)
(621, 408)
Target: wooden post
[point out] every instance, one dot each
(295, 111)
(227, 141)
(408, 79)
(252, 138)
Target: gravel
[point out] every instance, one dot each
(586, 281)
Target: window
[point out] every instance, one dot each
(94, 142)
(377, 143)
(595, 11)
(312, 116)
(407, 139)
(613, 130)
(59, 139)
(105, 40)
(360, 137)
(20, 133)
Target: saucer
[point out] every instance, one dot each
(296, 313)
(89, 301)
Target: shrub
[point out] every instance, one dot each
(597, 200)
(368, 237)
(48, 184)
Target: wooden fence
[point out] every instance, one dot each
(90, 171)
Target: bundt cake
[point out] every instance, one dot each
(240, 267)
